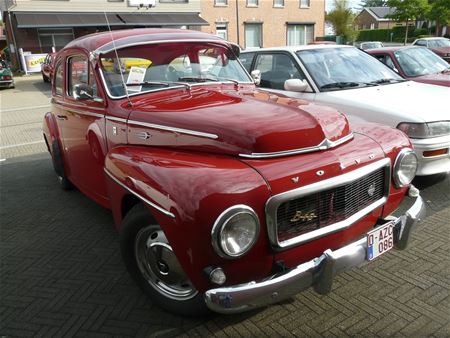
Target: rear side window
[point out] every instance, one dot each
(59, 79)
(246, 60)
(79, 72)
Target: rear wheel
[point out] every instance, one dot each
(153, 265)
(45, 78)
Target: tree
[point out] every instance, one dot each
(407, 10)
(439, 12)
(341, 18)
(373, 3)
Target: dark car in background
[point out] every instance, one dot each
(415, 63)
(6, 76)
(47, 67)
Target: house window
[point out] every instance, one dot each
(252, 3)
(299, 34)
(372, 26)
(222, 31)
(305, 3)
(54, 37)
(220, 2)
(278, 3)
(253, 35)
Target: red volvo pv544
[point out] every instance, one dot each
(226, 197)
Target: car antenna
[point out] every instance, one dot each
(118, 60)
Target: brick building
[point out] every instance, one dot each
(265, 23)
(376, 18)
(38, 26)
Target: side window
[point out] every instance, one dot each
(421, 43)
(79, 72)
(276, 69)
(246, 60)
(59, 79)
(388, 61)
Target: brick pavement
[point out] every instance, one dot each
(61, 274)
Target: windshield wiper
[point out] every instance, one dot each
(347, 84)
(381, 81)
(160, 83)
(198, 79)
(446, 70)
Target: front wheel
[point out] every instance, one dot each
(154, 266)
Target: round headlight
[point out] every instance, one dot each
(235, 231)
(405, 167)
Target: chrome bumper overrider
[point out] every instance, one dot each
(318, 272)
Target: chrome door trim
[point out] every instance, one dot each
(173, 129)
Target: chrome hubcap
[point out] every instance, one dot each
(159, 265)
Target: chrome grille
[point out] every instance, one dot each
(327, 206)
(323, 208)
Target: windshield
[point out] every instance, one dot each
(156, 66)
(419, 61)
(371, 45)
(341, 66)
(438, 43)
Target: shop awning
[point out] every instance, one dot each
(68, 20)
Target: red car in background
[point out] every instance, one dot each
(415, 63)
(47, 67)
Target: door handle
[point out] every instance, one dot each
(61, 117)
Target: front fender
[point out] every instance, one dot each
(186, 192)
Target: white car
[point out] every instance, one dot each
(365, 89)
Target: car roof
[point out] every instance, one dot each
(432, 38)
(107, 41)
(392, 49)
(294, 49)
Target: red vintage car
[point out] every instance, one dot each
(226, 197)
(47, 67)
(415, 63)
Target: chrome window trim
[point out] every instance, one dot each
(274, 202)
(223, 219)
(325, 144)
(173, 129)
(153, 205)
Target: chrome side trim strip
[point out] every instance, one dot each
(274, 202)
(81, 112)
(325, 144)
(116, 119)
(153, 205)
(173, 129)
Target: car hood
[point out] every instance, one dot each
(392, 103)
(441, 50)
(441, 79)
(233, 122)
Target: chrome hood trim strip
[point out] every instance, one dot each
(173, 129)
(324, 145)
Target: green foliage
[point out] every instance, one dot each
(408, 10)
(439, 12)
(374, 35)
(373, 3)
(341, 18)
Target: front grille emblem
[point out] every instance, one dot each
(371, 190)
(300, 216)
(295, 179)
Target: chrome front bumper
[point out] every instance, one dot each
(318, 272)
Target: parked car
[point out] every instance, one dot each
(226, 197)
(6, 76)
(440, 46)
(415, 63)
(370, 45)
(47, 67)
(366, 90)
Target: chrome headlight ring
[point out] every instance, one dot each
(235, 231)
(405, 167)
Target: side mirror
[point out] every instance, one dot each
(295, 85)
(83, 91)
(256, 76)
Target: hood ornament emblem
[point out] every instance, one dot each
(320, 173)
(295, 179)
(371, 190)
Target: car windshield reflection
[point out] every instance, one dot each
(419, 61)
(161, 66)
(330, 66)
